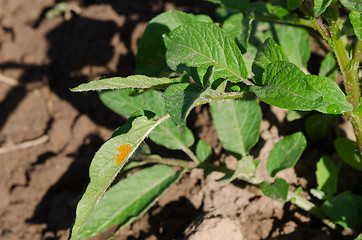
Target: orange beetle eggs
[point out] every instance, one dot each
(123, 150)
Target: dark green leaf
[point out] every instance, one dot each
(348, 151)
(286, 153)
(277, 190)
(129, 199)
(320, 6)
(269, 52)
(352, 4)
(206, 44)
(232, 4)
(344, 209)
(316, 126)
(356, 21)
(203, 151)
(237, 124)
(294, 4)
(285, 86)
(105, 165)
(238, 27)
(135, 81)
(151, 54)
(327, 175)
(329, 67)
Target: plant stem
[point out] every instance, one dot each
(296, 21)
(223, 96)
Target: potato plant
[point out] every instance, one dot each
(257, 50)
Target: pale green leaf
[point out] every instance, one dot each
(244, 169)
(356, 21)
(286, 153)
(104, 167)
(237, 124)
(129, 199)
(269, 52)
(352, 4)
(329, 67)
(135, 81)
(277, 190)
(327, 175)
(151, 54)
(203, 151)
(202, 45)
(320, 6)
(348, 151)
(344, 209)
(359, 237)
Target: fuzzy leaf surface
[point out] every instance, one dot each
(129, 199)
(320, 6)
(286, 153)
(356, 20)
(243, 118)
(104, 168)
(206, 44)
(135, 81)
(151, 53)
(277, 190)
(352, 4)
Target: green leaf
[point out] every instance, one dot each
(233, 4)
(285, 86)
(344, 209)
(294, 4)
(295, 115)
(316, 126)
(294, 42)
(359, 237)
(327, 175)
(277, 190)
(237, 124)
(356, 21)
(348, 151)
(181, 98)
(203, 151)
(352, 4)
(104, 167)
(151, 54)
(329, 67)
(320, 6)
(166, 134)
(206, 44)
(286, 153)
(245, 168)
(129, 199)
(269, 52)
(238, 27)
(135, 81)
